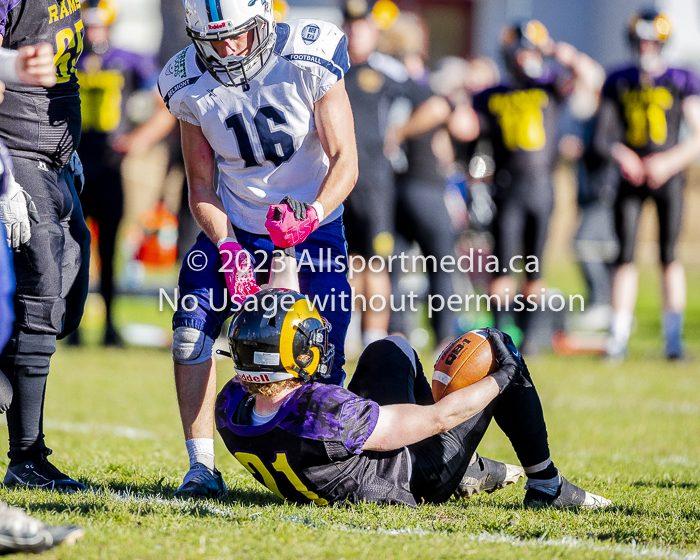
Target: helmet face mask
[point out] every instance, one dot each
(278, 336)
(208, 21)
(644, 28)
(522, 47)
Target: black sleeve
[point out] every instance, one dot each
(609, 129)
(417, 94)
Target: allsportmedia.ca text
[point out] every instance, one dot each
(323, 261)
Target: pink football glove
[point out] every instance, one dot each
(290, 222)
(238, 270)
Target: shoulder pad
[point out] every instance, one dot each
(181, 71)
(313, 45)
(388, 66)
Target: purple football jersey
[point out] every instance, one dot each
(650, 111)
(311, 451)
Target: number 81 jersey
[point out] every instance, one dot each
(264, 134)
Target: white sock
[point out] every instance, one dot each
(201, 450)
(620, 331)
(372, 335)
(621, 327)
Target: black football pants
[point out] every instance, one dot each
(386, 375)
(103, 200)
(52, 286)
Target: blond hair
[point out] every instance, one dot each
(270, 390)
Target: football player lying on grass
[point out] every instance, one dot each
(384, 439)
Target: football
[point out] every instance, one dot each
(464, 362)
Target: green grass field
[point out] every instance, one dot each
(631, 433)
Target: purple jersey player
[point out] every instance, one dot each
(40, 125)
(383, 439)
(639, 128)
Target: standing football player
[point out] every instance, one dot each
(41, 127)
(641, 115)
(521, 119)
(33, 65)
(384, 439)
(264, 106)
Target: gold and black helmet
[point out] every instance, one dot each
(648, 25)
(523, 35)
(278, 335)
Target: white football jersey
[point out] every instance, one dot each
(264, 137)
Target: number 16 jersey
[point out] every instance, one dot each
(264, 135)
(35, 122)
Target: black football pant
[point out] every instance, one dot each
(669, 207)
(421, 216)
(522, 223)
(103, 200)
(385, 374)
(52, 285)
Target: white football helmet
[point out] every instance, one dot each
(216, 20)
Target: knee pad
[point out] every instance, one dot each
(32, 351)
(191, 346)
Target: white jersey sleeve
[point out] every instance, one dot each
(180, 73)
(317, 47)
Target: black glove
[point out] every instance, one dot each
(510, 367)
(299, 208)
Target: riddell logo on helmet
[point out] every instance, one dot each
(216, 25)
(262, 378)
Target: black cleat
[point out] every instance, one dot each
(20, 532)
(485, 475)
(200, 482)
(40, 473)
(112, 337)
(567, 495)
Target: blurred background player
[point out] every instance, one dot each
(421, 214)
(595, 243)
(642, 111)
(108, 77)
(521, 120)
(41, 126)
(374, 86)
(283, 186)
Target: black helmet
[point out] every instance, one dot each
(523, 35)
(277, 335)
(648, 25)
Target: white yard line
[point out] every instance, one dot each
(631, 550)
(181, 505)
(96, 429)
